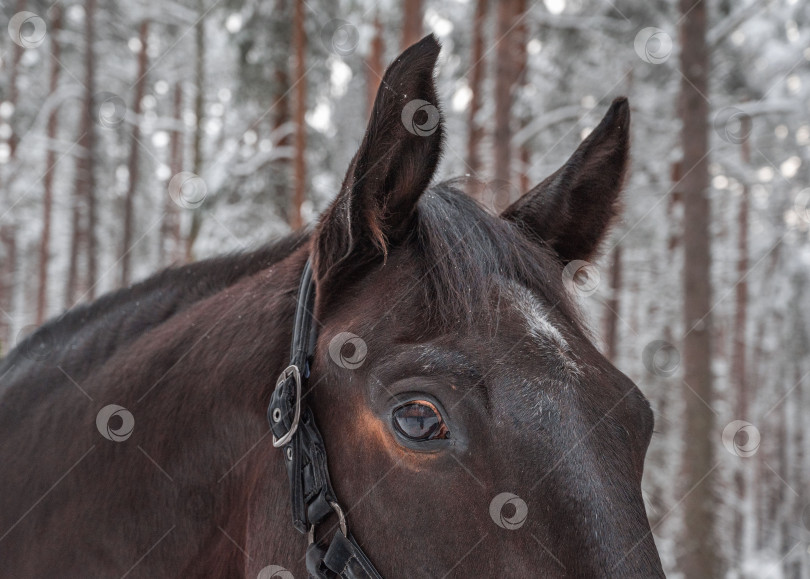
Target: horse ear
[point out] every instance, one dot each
(572, 209)
(392, 168)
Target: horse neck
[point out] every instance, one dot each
(220, 445)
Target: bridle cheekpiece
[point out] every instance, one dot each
(292, 423)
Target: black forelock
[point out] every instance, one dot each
(465, 252)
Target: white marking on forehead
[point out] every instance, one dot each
(538, 324)
(535, 315)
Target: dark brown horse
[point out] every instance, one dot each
(471, 427)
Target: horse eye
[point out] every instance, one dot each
(420, 420)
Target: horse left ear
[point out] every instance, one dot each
(572, 209)
(392, 168)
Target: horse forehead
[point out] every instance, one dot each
(542, 334)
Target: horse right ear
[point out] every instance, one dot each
(572, 210)
(392, 168)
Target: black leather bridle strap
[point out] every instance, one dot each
(293, 426)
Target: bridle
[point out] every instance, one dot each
(293, 425)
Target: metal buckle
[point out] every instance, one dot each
(341, 522)
(291, 370)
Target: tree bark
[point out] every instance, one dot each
(134, 159)
(412, 15)
(199, 111)
(510, 46)
(299, 160)
(738, 354)
(8, 231)
(83, 210)
(281, 120)
(699, 555)
(612, 305)
(475, 129)
(169, 249)
(50, 169)
(374, 65)
(88, 145)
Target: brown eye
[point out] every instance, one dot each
(420, 420)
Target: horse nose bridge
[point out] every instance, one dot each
(589, 515)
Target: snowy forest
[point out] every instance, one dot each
(135, 135)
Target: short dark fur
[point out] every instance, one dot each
(421, 274)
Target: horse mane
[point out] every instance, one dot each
(462, 251)
(467, 254)
(117, 318)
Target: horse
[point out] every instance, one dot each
(471, 426)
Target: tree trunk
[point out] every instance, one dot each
(510, 46)
(199, 111)
(8, 241)
(8, 231)
(83, 210)
(170, 227)
(89, 146)
(13, 92)
(738, 354)
(699, 556)
(412, 15)
(299, 160)
(134, 160)
(612, 305)
(374, 65)
(50, 169)
(281, 118)
(477, 67)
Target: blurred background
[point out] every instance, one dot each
(135, 135)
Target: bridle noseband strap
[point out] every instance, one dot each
(292, 423)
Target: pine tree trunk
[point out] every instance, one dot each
(88, 145)
(199, 111)
(699, 556)
(50, 169)
(375, 68)
(169, 247)
(299, 159)
(8, 241)
(412, 15)
(134, 160)
(281, 119)
(83, 201)
(475, 129)
(8, 231)
(612, 305)
(507, 78)
(738, 355)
